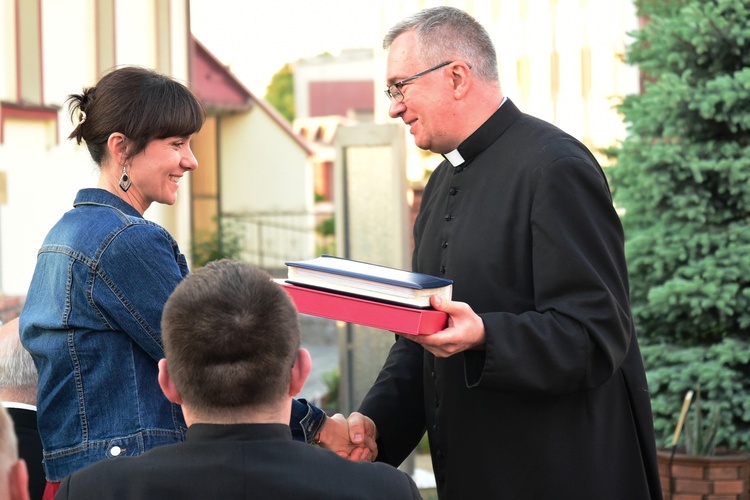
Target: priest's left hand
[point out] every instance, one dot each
(465, 330)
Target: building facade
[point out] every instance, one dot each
(249, 158)
(49, 50)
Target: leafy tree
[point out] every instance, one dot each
(280, 92)
(683, 180)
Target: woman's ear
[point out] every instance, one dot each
(117, 145)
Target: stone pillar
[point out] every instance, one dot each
(372, 225)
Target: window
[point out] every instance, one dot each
(585, 72)
(29, 52)
(523, 76)
(163, 34)
(554, 73)
(105, 36)
(25, 97)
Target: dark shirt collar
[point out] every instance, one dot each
(485, 135)
(238, 432)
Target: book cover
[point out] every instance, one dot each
(365, 312)
(369, 280)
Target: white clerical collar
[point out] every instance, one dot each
(454, 157)
(20, 406)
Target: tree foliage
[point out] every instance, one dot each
(280, 92)
(683, 180)
(226, 243)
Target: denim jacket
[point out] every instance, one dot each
(91, 321)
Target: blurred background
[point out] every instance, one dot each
(280, 82)
(298, 156)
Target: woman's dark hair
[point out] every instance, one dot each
(140, 103)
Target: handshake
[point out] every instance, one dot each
(352, 438)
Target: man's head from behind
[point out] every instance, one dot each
(231, 338)
(18, 376)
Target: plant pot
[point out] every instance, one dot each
(725, 476)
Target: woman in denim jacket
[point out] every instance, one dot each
(91, 319)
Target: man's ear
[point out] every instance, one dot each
(300, 371)
(19, 481)
(461, 75)
(166, 383)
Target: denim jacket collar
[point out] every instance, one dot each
(98, 196)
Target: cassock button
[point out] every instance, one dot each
(448, 217)
(452, 191)
(444, 244)
(442, 269)
(459, 169)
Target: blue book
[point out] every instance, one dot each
(369, 280)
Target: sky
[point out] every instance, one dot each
(256, 38)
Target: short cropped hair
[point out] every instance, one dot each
(231, 336)
(447, 34)
(17, 369)
(137, 102)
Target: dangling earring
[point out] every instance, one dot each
(124, 180)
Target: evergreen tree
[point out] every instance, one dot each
(683, 180)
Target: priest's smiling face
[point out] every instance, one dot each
(427, 105)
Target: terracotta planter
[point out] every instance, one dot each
(720, 477)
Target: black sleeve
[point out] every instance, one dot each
(396, 402)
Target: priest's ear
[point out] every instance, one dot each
(461, 76)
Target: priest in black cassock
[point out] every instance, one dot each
(536, 389)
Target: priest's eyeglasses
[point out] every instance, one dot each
(394, 91)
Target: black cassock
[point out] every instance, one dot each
(556, 405)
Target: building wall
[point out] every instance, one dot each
(351, 67)
(341, 97)
(43, 169)
(252, 185)
(67, 66)
(264, 178)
